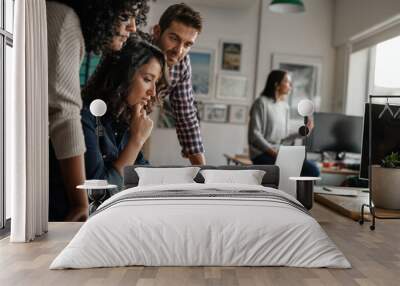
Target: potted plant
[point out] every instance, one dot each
(385, 187)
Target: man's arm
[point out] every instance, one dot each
(187, 124)
(73, 173)
(65, 46)
(197, 159)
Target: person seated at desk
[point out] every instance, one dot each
(269, 123)
(126, 81)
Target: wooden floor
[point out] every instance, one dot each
(374, 255)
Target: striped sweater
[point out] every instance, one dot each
(65, 51)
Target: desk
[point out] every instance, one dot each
(339, 171)
(238, 159)
(335, 175)
(349, 206)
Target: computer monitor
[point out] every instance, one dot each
(385, 137)
(336, 132)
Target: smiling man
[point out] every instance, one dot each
(175, 34)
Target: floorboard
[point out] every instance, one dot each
(374, 255)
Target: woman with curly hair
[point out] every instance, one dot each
(126, 82)
(73, 27)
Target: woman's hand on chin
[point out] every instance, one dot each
(141, 124)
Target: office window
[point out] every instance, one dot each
(6, 67)
(9, 13)
(385, 67)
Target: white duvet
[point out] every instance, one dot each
(200, 231)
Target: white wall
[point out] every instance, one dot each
(219, 23)
(305, 34)
(353, 17)
(308, 34)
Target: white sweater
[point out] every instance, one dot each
(66, 49)
(268, 125)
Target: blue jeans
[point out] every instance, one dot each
(310, 169)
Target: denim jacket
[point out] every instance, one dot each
(98, 164)
(99, 159)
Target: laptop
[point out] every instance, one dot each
(290, 162)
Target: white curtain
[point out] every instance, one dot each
(26, 124)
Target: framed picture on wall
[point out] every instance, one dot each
(232, 87)
(238, 114)
(200, 109)
(231, 58)
(202, 62)
(305, 72)
(214, 112)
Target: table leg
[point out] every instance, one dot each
(304, 193)
(96, 197)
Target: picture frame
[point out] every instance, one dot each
(231, 55)
(202, 64)
(238, 114)
(306, 75)
(200, 109)
(232, 87)
(215, 112)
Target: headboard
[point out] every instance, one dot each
(270, 179)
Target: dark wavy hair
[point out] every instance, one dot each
(112, 79)
(181, 13)
(274, 79)
(99, 19)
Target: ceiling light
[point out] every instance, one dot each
(287, 6)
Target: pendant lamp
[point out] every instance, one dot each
(287, 6)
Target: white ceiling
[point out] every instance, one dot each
(237, 4)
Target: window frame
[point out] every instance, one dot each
(377, 90)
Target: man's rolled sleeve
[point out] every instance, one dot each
(187, 124)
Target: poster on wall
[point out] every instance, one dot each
(215, 112)
(202, 62)
(305, 73)
(238, 114)
(231, 56)
(232, 87)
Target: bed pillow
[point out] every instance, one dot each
(248, 177)
(165, 176)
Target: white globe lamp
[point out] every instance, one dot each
(97, 188)
(98, 107)
(305, 108)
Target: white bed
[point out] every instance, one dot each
(248, 226)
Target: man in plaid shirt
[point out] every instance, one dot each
(175, 34)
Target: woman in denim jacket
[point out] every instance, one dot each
(127, 82)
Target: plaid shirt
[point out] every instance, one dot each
(182, 102)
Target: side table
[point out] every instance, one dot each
(304, 190)
(96, 194)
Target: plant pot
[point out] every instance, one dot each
(385, 187)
